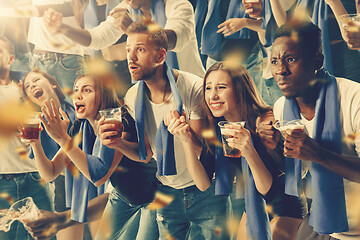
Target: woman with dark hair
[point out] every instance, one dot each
(230, 95)
(91, 95)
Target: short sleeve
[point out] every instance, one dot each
(180, 19)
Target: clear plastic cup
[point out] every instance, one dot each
(225, 134)
(24, 209)
(286, 125)
(347, 18)
(31, 127)
(113, 115)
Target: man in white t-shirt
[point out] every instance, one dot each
(330, 110)
(19, 177)
(192, 211)
(176, 16)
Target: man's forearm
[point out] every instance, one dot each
(347, 167)
(81, 36)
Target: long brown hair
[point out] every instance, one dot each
(104, 86)
(249, 103)
(51, 80)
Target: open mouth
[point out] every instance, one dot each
(216, 106)
(133, 67)
(80, 108)
(38, 93)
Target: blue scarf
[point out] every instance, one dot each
(200, 14)
(269, 23)
(257, 225)
(320, 15)
(79, 191)
(210, 40)
(328, 206)
(157, 9)
(49, 146)
(164, 140)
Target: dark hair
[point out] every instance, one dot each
(52, 81)
(104, 85)
(249, 103)
(10, 47)
(157, 34)
(306, 33)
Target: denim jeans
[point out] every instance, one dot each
(64, 69)
(122, 220)
(18, 187)
(192, 214)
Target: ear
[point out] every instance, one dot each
(11, 59)
(160, 58)
(318, 61)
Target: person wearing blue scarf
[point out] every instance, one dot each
(46, 88)
(317, 156)
(259, 170)
(160, 89)
(89, 164)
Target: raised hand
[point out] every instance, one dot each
(268, 134)
(55, 122)
(231, 26)
(253, 9)
(122, 19)
(52, 20)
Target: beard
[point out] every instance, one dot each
(143, 74)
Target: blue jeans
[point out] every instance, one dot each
(122, 220)
(64, 69)
(192, 214)
(19, 186)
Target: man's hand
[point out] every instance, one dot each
(53, 20)
(268, 134)
(47, 224)
(353, 35)
(253, 9)
(299, 145)
(122, 19)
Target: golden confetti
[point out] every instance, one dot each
(60, 46)
(7, 197)
(121, 169)
(351, 138)
(153, 28)
(161, 200)
(23, 152)
(67, 91)
(73, 169)
(210, 136)
(19, 12)
(270, 211)
(169, 237)
(313, 82)
(233, 226)
(217, 231)
(75, 141)
(51, 230)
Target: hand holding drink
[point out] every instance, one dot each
(31, 128)
(113, 121)
(226, 134)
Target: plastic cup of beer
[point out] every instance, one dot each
(251, 1)
(31, 127)
(347, 18)
(26, 209)
(112, 115)
(227, 133)
(289, 125)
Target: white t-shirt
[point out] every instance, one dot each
(49, 41)
(190, 89)
(11, 162)
(180, 19)
(349, 101)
